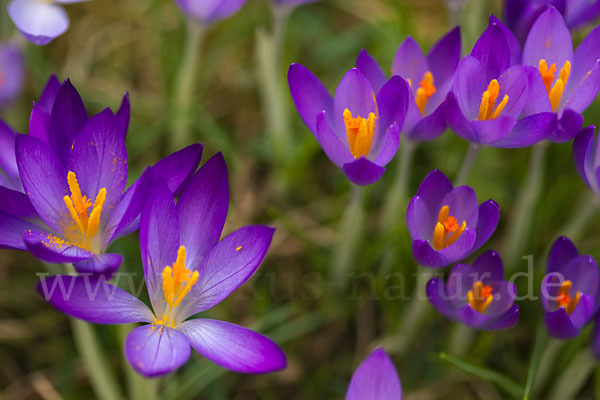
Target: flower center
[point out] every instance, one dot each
(548, 74)
(564, 298)
(447, 230)
(360, 133)
(424, 92)
(488, 108)
(82, 227)
(177, 281)
(480, 297)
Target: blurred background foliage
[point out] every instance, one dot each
(325, 328)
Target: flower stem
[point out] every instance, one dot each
(571, 381)
(461, 338)
(351, 229)
(395, 200)
(577, 222)
(541, 337)
(184, 86)
(467, 164)
(101, 377)
(520, 222)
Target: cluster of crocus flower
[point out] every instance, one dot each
(64, 199)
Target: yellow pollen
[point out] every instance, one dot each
(555, 91)
(360, 133)
(85, 227)
(480, 297)
(177, 280)
(488, 102)
(238, 248)
(446, 231)
(564, 298)
(425, 91)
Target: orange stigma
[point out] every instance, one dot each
(81, 226)
(425, 91)
(564, 298)
(555, 91)
(447, 230)
(488, 102)
(360, 133)
(480, 297)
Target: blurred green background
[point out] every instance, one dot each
(325, 328)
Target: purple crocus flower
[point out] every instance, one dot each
(74, 171)
(477, 295)
(187, 271)
(12, 72)
(40, 21)
(446, 223)
(560, 80)
(569, 292)
(490, 92)
(358, 129)
(429, 77)
(375, 379)
(520, 15)
(586, 154)
(209, 11)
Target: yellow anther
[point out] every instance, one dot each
(78, 205)
(555, 91)
(425, 91)
(564, 298)
(446, 231)
(480, 297)
(177, 281)
(488, 102)
(359, 132)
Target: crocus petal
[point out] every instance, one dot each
(427, 256)
(39, 124)
(583, 312)
(93, 299)
(444, 56)
(420, 220)
(309, 95)
(462, 248)
(202, 209)
(159, 238)
(68, 117)
(549, 39)
(355, 94)
(8, 160)
(409, 62)
(433, 189)
(12, 229)
(230, 263)
(583, 272)
(529, 131)
(429, 127)
(105, 263)
(49, 94)
(488, 267)
(581, 96)
(580, 12)
(392, 104)
(463, 205)
(583, 153)
(559, 324)
(233, 347)
(469, 84)
(363, 171)
(492, 131)
(333, 147)
(12, 70)
(457, 121)
(514, 83)
(489, 215)
(513, 44)
(52, 249)
(586, 55)
(123, 114)
(38, 21)
(389, 146)
(210, 11)
(44, 179)
(437, 296)
(567, 127)
(562, 252)
(472, 318)
(461, 280)
(506, 321)
(16, 203)
(99, 159)
(156, 350)
(371, 70)
(175, 169)
(375, 379)
(504, 297)
(537, 96)
(491, 49)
